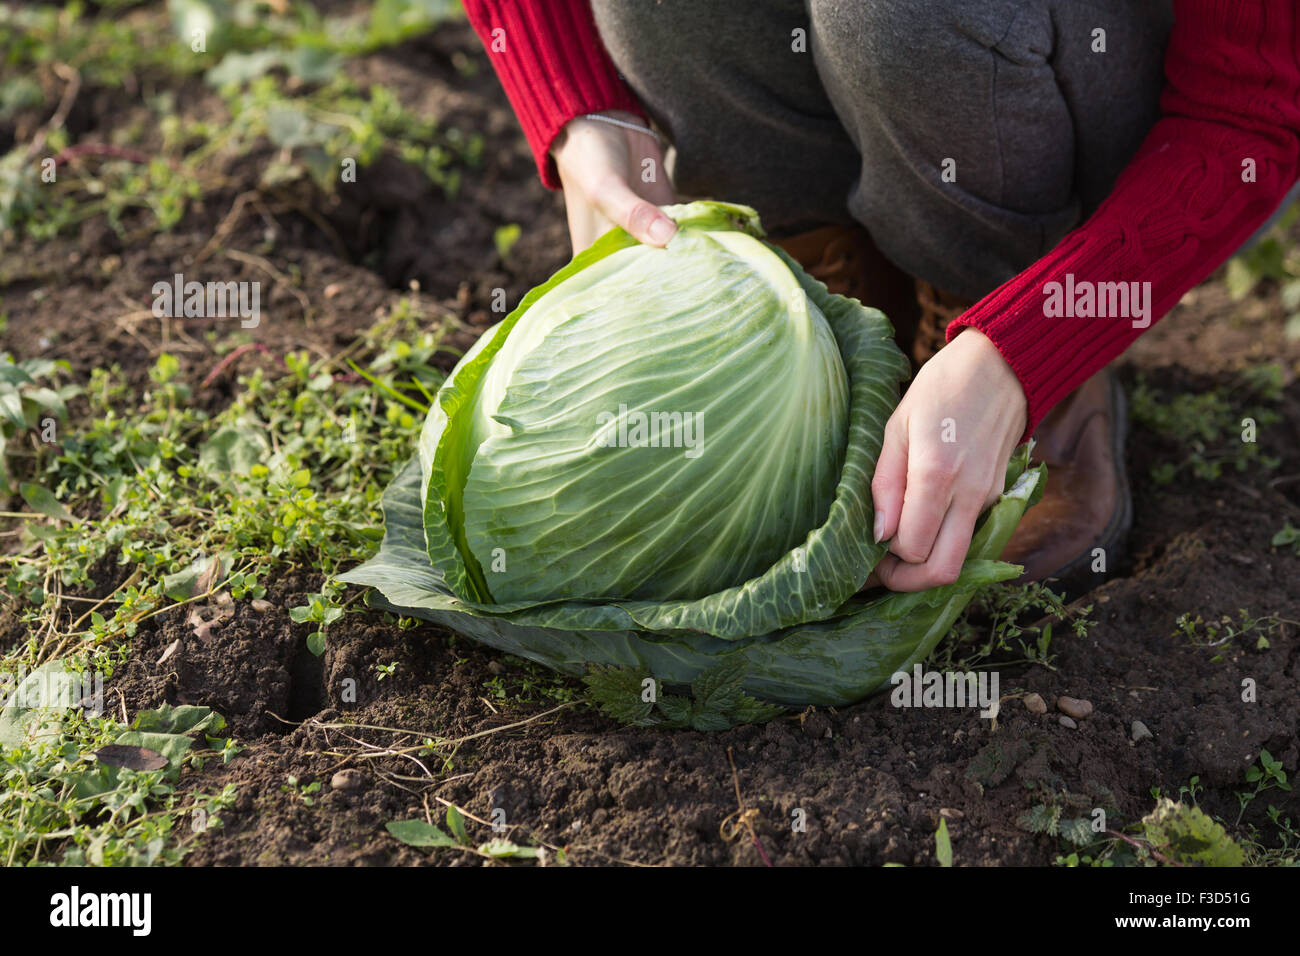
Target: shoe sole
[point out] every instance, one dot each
(1077, 577)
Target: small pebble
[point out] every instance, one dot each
(951, 813)
(1140, 732)
(261, 605)
(1068, 722)
(348, 780)
(1078, 709)
(1034, 704)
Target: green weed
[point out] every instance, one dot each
(64, 802)
(1213, 430)
(1288, 536)
(1245, 630)
(150, 504)
(994, 625)
(1267, 775)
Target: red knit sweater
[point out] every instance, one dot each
(1209, 173)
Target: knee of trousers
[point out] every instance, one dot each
(900, 46)
(1012, 92)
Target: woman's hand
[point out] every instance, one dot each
(944, 460)
(612, 177)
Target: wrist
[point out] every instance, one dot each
(996, 370)
(990, 356)
(588, 120)
(623, 115)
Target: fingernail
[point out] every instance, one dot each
(879, 529)
(661, 230)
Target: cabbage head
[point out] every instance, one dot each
(661, 461)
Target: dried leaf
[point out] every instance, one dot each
(172, 648)
(132, 758)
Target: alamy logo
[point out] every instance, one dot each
(54, 690)
(640, 429)
(74, 908)
(946, 689)
(208, 300)
(1099, 300)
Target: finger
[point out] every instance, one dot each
(641, 218)
(660, 192)
(890, 480)
(997, 483)
(886, 570)
(930, 482)
(944, 564)
(586, 225)
(994, 493)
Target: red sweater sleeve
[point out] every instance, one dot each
(1209, 173)
(552, 64)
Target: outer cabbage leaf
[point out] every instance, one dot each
(829, 662)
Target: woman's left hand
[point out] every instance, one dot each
(944, 461)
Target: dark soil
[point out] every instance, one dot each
(872, 781)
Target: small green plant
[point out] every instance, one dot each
(716, 700)
(1273, 260)
(1081, 822)
(528, 683)
(1286, 840)
(1245, 630)
(423, 833)
(321, 609)
(1048, 818)
(31, 403)
(1203, 433)
(304, 790)
(1288, 536)
(385, 670)
(995, 627)
(228, 750)
(1269, 774)
(505, 237)
(943, 844)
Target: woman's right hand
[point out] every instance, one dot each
(612, 177)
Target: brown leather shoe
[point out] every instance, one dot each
(847, 260)
(1086, 504)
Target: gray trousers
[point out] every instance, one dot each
(968, 136)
